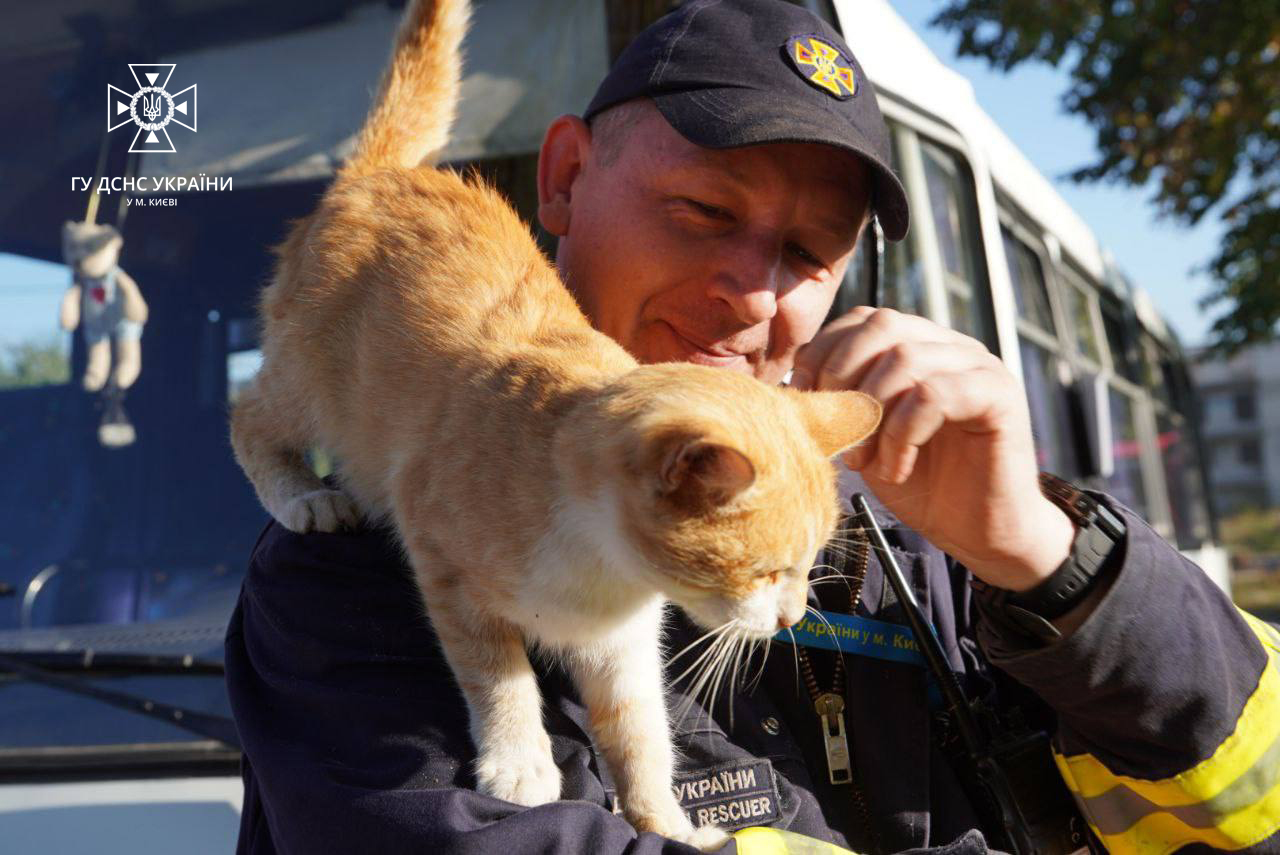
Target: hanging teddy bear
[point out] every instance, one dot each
(104, 302)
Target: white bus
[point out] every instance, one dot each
(996, 253)
(124, 562)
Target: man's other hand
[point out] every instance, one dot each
(953, 457)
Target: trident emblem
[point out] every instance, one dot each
(823, 66)
(152, 108)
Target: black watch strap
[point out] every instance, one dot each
(1098, 532)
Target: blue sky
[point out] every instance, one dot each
(30, 294)
(1157, 255)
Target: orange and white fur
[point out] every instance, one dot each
(548, 490)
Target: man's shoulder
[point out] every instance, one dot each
(330, 596)
(366, 554)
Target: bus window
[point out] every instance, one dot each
(1155, 368)
(1050, 416)
(954, 213)
(855, 287)
(1086, 337)
(1125, 358)
(903, 278)
(1181, 464)
(1047, 395)
(1125, 483)
(1177, 443)
(1027, 275)
(903, 286)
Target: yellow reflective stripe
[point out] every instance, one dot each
(1267, 634)
(774, 841)
(1257, 727)
(1204, 803)
(1162, 833)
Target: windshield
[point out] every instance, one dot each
(126, 524)
(108, 527)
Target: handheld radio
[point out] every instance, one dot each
(1006, 766)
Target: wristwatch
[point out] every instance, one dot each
(1098, 533)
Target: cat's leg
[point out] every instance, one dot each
(488, 658)
(267, 442)
(621, 683)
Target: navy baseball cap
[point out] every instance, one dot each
(729, 73)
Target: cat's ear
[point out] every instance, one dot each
(698, 474)
(837, 420)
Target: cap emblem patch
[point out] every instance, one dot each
(821, 64)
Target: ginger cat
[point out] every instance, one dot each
(547, 489)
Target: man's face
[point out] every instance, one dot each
(724, 257)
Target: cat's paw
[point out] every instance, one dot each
(708, 838)
(319, 510)
(673, 822)
(524, 775)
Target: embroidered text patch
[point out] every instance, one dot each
(733, 796)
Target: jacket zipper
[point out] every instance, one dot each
(829, 705)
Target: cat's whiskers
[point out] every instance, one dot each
(767, 643)
(707, 663)
(721, 665)
(830, 629)
(695, 642)
(730, 671)
(718, 631)
(795, 651)
(838, 551)
(834, 575)
(707, 678)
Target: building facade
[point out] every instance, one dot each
(1241, 424)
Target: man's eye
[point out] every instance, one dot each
(708, 210)
(805, 256)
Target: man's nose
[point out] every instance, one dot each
(749, 284)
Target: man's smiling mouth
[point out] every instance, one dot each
(704, 355)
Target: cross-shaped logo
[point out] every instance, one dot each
(151, 108)
(831, 72)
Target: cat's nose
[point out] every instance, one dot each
(784, 623)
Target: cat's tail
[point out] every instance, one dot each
(417, 99)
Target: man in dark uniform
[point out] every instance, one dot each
(707, 206)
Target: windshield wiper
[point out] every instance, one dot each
(113, 664)
(47, 667)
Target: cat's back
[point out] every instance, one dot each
(419, 279)
(439, 252)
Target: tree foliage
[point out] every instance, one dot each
(35, 363)
(1181, 93)
(1252, 532)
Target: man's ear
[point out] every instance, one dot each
(564, 150)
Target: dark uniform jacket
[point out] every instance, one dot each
(1165, 703)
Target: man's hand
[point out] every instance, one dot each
(953, 457)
